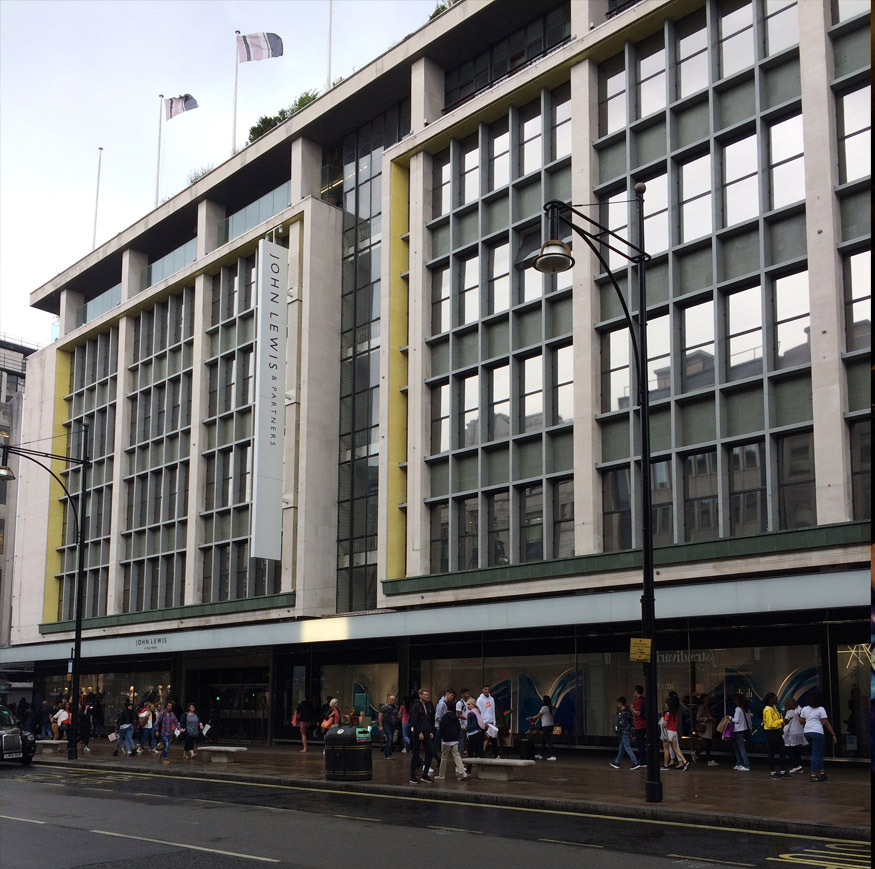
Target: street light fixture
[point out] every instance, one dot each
(6, 473)
(556, 257)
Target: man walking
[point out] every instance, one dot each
(421, 727)
(450, 730)
(462, 712)
(445, 703)
(387, 722)
(486, 705)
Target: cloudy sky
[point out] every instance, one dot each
(77, 75)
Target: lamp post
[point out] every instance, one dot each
(556, 257)
(83, 461)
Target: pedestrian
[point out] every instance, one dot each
(794, 734)
(45, 720)
(451, 732)
(671, 744)
(546, 721)
(192, 726)
(97, 715)
(421, 727)
(486, 705)
(741, 724)
(62, 719)
(387, 722)
(773, 727)
(304, 720)
(624, 727)
(148, 717)
(639, 723)
(83, 726)
(325, 709)
(447, 701)
(462, 712)
(813, 716)
(404, 716)
(332, 715)
(475, 730)
(705, 721)
(169, 725)
(124, 725)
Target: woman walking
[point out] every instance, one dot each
(125, 723)
(671, 744)
(404, 714)
(741, 722)
(546, 720)
(794, 736)
(169, 724)
(814, 717)
(476, 729)
(705, 719)
(193, 727)
(773, 726)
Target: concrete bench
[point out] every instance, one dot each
(50, 746)
(495, 769)
(221, 753)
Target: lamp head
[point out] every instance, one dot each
(6, 474)
(555, 256)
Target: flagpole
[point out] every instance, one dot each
(158, 168)
(234, 114)
(96, 198)
(328, 80)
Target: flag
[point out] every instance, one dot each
(258, 46)
(177, 105)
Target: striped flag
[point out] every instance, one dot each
(177, 105)
(258, 46)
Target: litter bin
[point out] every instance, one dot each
(527, 748)
(348, 754)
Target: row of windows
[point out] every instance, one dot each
(160, 410)
(228, 573)
(153, 583)
(164, 326)
(94, 361)
(230, 382)
(232, 291)
(157, 496)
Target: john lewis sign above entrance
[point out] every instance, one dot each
(270, 378)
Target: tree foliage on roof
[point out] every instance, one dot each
(268, 122)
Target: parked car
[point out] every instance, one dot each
(15, 743)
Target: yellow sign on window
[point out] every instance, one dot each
(639, 649)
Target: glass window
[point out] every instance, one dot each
(468, 515)
(440, 418)
(470, 169)
(563, 519)
(651, 75)
(735, 31)
(441, 175)
(695, 177)
(469, 394)
(532, 397)
(659, 357)
(745, 333)
(797, 506)
(532, 523)
(701, 518)
(740, 187)
(858, 300)
(661, 503)
(656, 233)
(855, 134)
(845, 9)
(498, 532)
(692, 54)
(787, 165)
(792, 321)
(612, 95)
(499, 278)
(530, 138)
(440, 300)
(563, 384)
(469, 290)
(861, 468)
(439, 515)
(782, 25)
(616, 385)
(499, 154)
(615, 215)
(499, 417)
(748, 508)
(617, 510)
(698, 341)
(561, 121)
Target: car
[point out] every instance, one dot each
(15, 743)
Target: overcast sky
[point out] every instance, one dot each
(77, 75)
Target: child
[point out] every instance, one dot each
(624, 726)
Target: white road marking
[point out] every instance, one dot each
(563, 842)
(26, 820)
(183, 845)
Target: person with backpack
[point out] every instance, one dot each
(624, 727)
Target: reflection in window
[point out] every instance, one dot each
(469, 401)
(499, 278)
(617, 510)
(651, 75)
(561, 121)
(855, 134)
(696, 198)
(793, 323)
(797, 507)
(615, 215)
(861, 468)
(499, 154)
(498, 528)
(468, 533)
(440, 418)
(532, 398)
(563, 385)
(656, 237)
(692, 54)
(612, 95)
(785, 160)
(701, 518)
(440, 300)
(499, 400)
(615, 370)
(563, 519)
(858, 300)
(661, 506)
(659, 357)
(741, 199)
(748, 513)
(698, 340)
(845, 9)
(532, 523)
(745, 333)
(441, 183)
(469, 291)
(782, 25)
(735, 28)
(530, 138)
(439, 560)
(470, 168)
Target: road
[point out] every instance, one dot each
(92, 818)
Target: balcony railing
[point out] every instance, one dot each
(168, 265)
(106, 301)
(256, 212)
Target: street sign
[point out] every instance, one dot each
(639, 649)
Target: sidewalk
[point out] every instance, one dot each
(579, 781)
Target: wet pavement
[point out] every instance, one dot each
(579, 781)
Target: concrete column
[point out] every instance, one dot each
(587, 355)
(209, 216)
(426, 93)
(832, 458)
(306, 169)
(71, 302)
(587, 14)
(133, 262)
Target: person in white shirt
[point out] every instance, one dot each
(814, 717)
(794, 738)
(486, 705)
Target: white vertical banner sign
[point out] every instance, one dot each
(271, 290)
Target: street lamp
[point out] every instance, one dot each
(6, 473)
(556, 257)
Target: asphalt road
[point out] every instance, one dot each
(90, 818)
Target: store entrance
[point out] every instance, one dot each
(235, 701)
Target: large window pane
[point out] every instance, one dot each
(748, 513)
(745, 333)
(793, 323)
(617, 510)
(797, 505)
(701, 517)
(698, 338)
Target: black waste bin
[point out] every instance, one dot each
(348, 754)
(527, 748)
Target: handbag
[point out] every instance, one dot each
(112, 737)
(729, 730)
(721, 727)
